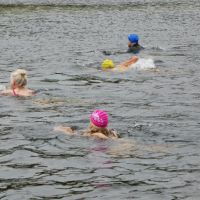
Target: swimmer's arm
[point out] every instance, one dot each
(64, 129)
(6, 92)
(130, 61)
(32, 92)
(115, 134)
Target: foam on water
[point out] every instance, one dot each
(144, 64)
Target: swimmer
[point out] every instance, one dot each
(18, 82)
(133, 43)
(96, 128)
(124, 66)
(133, 46)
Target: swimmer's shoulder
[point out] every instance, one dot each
(135, 49)
(27, 93)
(95, 135)
(99, 135)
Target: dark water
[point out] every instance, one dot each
(61, 45)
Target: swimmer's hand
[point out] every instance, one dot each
(64, 129)
(115, 134)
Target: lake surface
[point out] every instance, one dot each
(61, 44)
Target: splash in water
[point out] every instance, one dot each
(144, 64)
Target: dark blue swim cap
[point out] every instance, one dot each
(133, 38)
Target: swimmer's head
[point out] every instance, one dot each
(107, 64)
(18, 78)
(133, 38)
(99, 118)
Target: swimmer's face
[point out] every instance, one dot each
(130, 44)
(91, 125)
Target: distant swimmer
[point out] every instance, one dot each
(18, 82)
(124, 66)
(97, 127)
(133, 46)
(133, 43)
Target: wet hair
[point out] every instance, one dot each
(107, 132)
(19, 77)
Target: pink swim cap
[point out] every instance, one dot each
(99, 118)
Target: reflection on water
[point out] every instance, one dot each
(155, 111)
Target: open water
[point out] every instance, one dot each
(61, 44)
